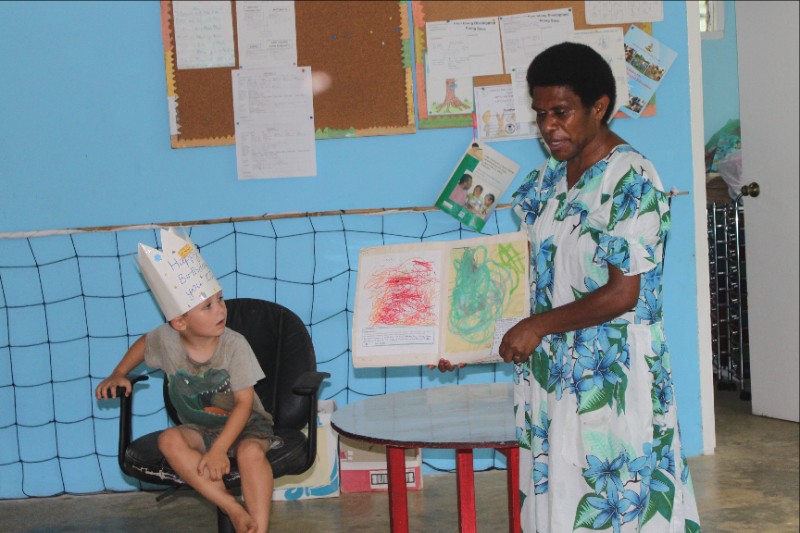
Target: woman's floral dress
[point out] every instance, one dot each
(595, 408)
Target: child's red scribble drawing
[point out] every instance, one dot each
(404, 295)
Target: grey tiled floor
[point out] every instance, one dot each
(749, 485)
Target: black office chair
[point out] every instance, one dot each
(284, 349)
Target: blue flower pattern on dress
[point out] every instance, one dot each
(591, 367)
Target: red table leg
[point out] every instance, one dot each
(398, 493)
(465, 477)
(512, 467)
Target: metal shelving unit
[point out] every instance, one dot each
(727, 262)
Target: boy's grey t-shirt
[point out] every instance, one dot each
(202, 393)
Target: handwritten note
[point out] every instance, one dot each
(203, 34)
(372, 337)
(274, 123)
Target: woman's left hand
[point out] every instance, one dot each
(446, 366)
(520, 341)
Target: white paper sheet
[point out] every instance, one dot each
(457, 50)
(266, 33)
(469, 47)
(615, 12)
(525, 36)
(274, 123)
(609, 43)
(522, 97)
(497, 116)
(203, 34)
(394, 319)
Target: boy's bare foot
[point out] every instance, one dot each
(242, 521)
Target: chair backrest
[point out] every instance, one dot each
(284, 350)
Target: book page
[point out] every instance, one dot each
(417, 303)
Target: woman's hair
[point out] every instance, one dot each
(490, 196)
(578, 67)
(464, 179)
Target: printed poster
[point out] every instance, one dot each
(475, 187)
(647, 61)
(416, 303)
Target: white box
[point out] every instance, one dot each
(322, 479)
(363, 467)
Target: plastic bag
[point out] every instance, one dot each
(730, 168)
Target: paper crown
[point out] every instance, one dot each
(177, 275)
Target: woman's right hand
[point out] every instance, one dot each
(108, 387)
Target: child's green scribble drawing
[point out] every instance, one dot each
(482, 290)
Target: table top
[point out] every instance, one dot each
(450, 416)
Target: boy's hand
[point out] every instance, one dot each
(214, 464)
(108, 387)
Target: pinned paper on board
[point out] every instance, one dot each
(457, 50)
(474, 188)
(496, 116)
(647, 62)
(417, 303)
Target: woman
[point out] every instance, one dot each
(594, 404)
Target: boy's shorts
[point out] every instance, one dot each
(250, 431)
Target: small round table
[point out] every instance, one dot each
(462, 417)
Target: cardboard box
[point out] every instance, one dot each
(363, 467)
(322, 479)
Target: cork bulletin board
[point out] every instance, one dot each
(364, 46)
(424, 11)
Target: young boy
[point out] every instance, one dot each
(211, 371)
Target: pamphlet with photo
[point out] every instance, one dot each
(476, 185)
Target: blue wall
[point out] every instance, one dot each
(85, 142)
(721, 76)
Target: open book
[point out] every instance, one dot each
(476, 185)
(416, 303)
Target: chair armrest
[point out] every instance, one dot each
(126, 416)
(308, 383)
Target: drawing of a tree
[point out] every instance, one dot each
(452, 103)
